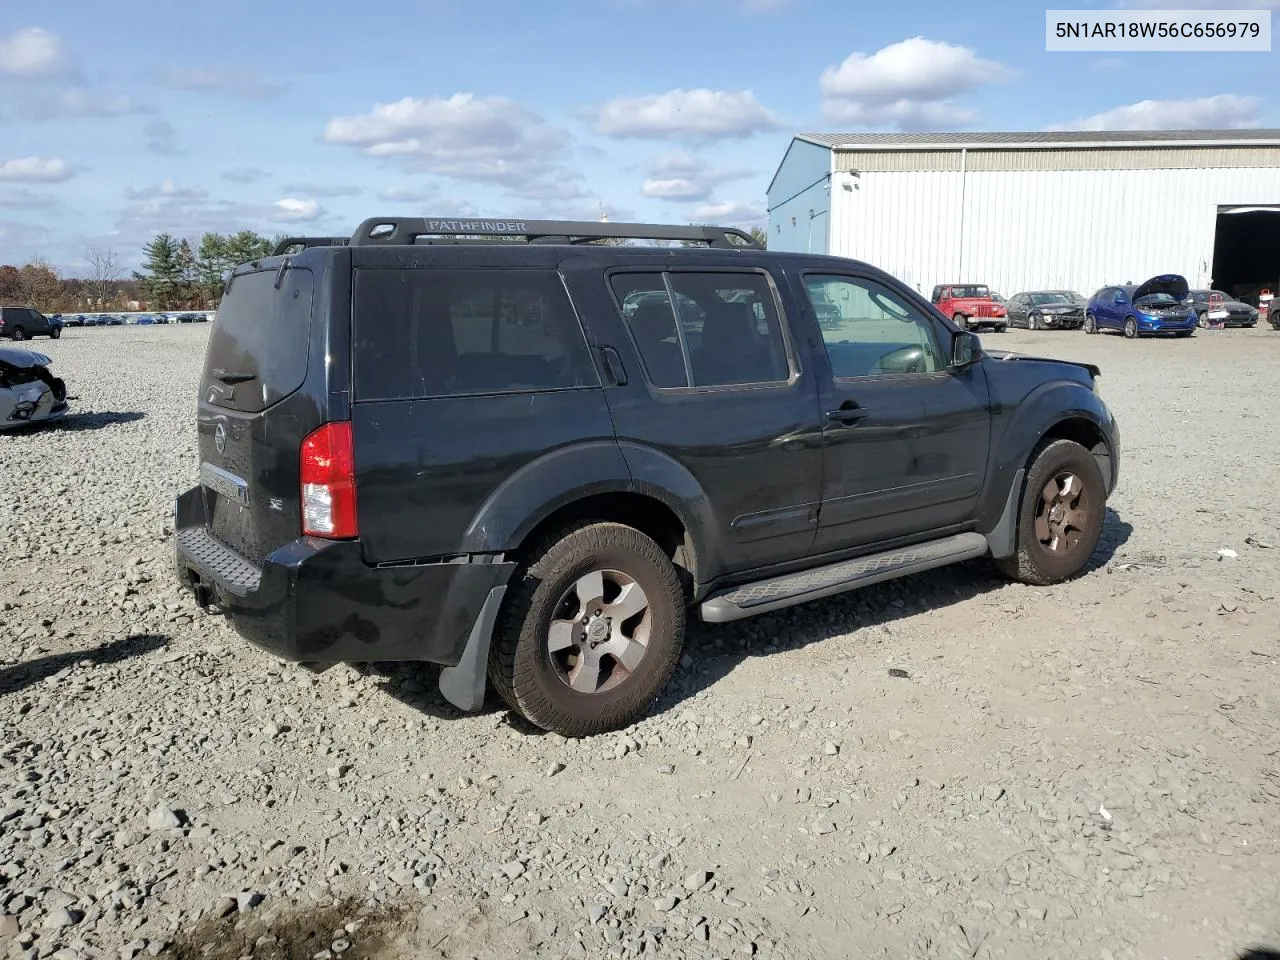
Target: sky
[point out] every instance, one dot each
(122, 119)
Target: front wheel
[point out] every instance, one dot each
(1130, 328)
(590, 632)
(1090, 324)
(1060, 516)
(1000, 328)
(1202, 321)
(1033, 323)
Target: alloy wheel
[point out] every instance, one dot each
(599, 633)
(1062, 514)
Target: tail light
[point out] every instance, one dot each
(328, 480)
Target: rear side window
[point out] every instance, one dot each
(448, 333)
(729, 329)
(257, 352)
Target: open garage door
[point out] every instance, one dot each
(1246, 251)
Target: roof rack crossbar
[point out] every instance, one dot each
(407, 230)
(289, 243)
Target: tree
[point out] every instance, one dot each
(212, 265)
(760, 235)
(161, 278)
(186, 263)
(105, 268)
(40, 285)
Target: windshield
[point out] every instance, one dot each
(974, 292)
(1159, 299)
(1047, 298)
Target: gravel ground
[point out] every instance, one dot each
(1089, 770)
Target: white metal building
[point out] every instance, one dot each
(1028, 211)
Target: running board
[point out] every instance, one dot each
(753, 599)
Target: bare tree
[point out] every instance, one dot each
(106, 271)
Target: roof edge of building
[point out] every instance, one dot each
(1070, 140)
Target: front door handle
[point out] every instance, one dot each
(847, 413)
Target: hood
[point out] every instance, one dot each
(1172, 284)
(1052, 308)
(1009, 356)
(23, 359)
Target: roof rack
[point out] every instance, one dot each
(413, 230)
(296, 244)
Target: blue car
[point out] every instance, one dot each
(1162, 305)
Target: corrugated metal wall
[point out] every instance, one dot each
(1019, 229)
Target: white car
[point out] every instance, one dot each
(29, 392)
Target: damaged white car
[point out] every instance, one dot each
(29, 392)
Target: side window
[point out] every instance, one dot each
(729, 328)
(647, 308)
(1118, 296)
(739, 337)
(442, 333)
(879, 332)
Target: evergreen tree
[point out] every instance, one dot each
(161, 278)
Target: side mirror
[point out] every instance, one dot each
(966, 348)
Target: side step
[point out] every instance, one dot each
(753, 599)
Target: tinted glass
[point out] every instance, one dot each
(260, 340)
(443, 333)
(647, 308)
(879, 332)
(731, 328)
(1047, 298)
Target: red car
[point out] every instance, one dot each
(971, 306)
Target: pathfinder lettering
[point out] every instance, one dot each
(477, 226)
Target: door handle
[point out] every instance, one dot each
(613, 365)
(847, 413)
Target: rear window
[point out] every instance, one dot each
(447, 333)
(258, 347)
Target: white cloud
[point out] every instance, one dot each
(463, 137)
(244, 175)
(408, 194)
(76, 102)
(161, 138)
(1224, 111)
(26, 200)
(323, 190)
(694, 115)
(33, 51)
(909, 84)
(1201, 4)
(730, 212)
(232, 80)
(293, 210)
(683, 176)
(167, 189)
(36, 170)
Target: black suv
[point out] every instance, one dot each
(530, 461)
(22, 323)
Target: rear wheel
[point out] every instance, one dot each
(590, 632)
(18, 334)
(1090, 324)
(1060, 516)
(55, 333)
(1130, 327)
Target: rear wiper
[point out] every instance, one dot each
(227, 376)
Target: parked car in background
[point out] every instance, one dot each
(29, 392)
(1162, 305)
(22, 323)
(970, 305)
(76, 321)
(1273, 317)
(1045, 310)
(1214, 306)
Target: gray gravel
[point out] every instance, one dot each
(949, 766)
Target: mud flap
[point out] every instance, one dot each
(1003, 538)
(463, 685)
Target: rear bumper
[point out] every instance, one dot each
(317, 601)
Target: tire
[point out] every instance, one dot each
(1130, 328)
(55, 333)
(18, 334)
(962, 321)
(1033, 323)
(535, 681)
(1183, 334)
(1202, 321)
(1036, 561)
(1001, 328)
(1090, 324)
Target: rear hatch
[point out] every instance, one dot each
(253, 413)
